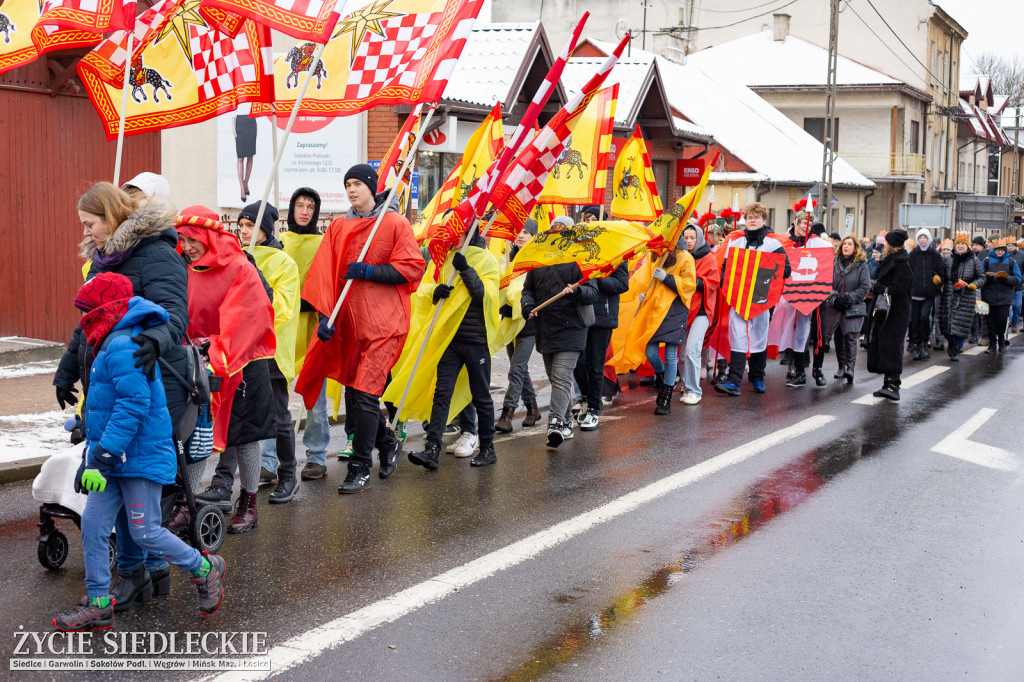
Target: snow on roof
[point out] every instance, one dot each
(758, 60)
(630, 74)
(489, 63)
(983, 125)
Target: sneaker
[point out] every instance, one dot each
(452, 429)
(579, 409)
(284, 492)
(465, 446)
(690, 399)
(346, 451)
(267, 477)
(389, 459)
(797, 381)
(215, 494)
(556, 434)
(313, 471)
(357, 481)
(727, 388)
(758, 385)
(606, 400)
(589, 421)
(88, 615)
(400, 432)
(211, 585)
(485, 457)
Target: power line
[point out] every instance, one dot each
(737, 11)
(868, 27)
(771, 11)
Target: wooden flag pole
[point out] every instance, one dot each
(572, 287)
(124, 110)
(650, 287)
(433, 322)
(279, 151)
(273, 141)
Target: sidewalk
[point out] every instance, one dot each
(16, 350)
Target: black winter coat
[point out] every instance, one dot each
(157, 273)
(1018, 258)
(252, 413)
(559, 327)
(925, 264)
(609, 289)
(956, 309)
(851, 285)
(999, 290)
(473, 328)
(889, 331)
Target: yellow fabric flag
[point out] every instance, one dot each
(669, 225)
(512, 296)
(630, 352)
(597, 247)
(636, 192)
(421, 389)
(282, 274)
(580, 173)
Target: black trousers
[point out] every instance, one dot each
(589, 372)
(476, 358)
(921, 320)
(369, 428)
(757, 361)
(228, 463)
(998, 315)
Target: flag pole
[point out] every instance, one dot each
(273, 141)
(124, 110)
(572, 287)
(279, 151)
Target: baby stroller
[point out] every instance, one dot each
(55, 488)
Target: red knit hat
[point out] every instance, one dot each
(102, 289)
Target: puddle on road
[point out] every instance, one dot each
(758, 505)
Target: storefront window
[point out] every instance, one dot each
(434, 167)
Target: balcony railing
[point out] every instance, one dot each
(885, 164)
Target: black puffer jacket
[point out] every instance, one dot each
(956, 309)
(889, 331)
(157, 273)
(925, 264)
(609, 289)
(473, 328)
(559, 326)
(999, 290)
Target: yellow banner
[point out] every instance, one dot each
(669, 225)
(636, 192)
(21, 41)
(580, 174)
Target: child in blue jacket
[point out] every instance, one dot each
(130, 453)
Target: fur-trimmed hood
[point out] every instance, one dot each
(153, 218)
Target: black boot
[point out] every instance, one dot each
(954, 352)
(428, 457)
(659, 381)
(161, 581)
(284, 491)
(889, 390)
(924, 351)
(486, 456)
(840, 373)
(130, 588)
(663, 404)
(819, 378)
(215, 494)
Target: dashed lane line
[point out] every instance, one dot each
(908, 382)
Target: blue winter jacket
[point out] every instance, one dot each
(125, 411)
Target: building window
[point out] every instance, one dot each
(434, 167)
(815, 127)
(912, 198)
(660, 169)
(994, 158)
(915, 137)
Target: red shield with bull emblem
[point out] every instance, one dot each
(753, 281)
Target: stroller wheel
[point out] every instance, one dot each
(208, 529)
(53, 551)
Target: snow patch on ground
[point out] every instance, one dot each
(27, 436)
(28, 369)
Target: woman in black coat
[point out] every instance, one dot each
(891, 289)
(850, 284)
(135, 238)
(964, 277)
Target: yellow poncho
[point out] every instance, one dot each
(421, 391)
(638, 331)
(282, 274)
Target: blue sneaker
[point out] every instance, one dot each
(728, 388)
(758, 385)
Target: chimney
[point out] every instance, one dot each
(781, 27)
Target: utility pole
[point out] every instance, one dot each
(1015, 190)
(830, 118)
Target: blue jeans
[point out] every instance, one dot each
(1018, 297)
(668, 367)
(694, 346)
(316, 436)
(139, 498)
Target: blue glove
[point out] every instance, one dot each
(359, 271)
(324, 332)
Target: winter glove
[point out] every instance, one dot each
(441, 291)
(459, 262)
(204, 349)
(842, 302)
(66, 396)
(641, 297)
(358, 271)
(100, 467)
(145, 356)
(78, 476)
(324, 331)
(505, 310)
(659, 274)
(878, 289)
(972, 286)
(93, 481)
(936, 280)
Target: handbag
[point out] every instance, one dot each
(980, 307)
(883, 303)
(857, 310)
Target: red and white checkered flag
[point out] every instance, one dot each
(222, 63)
(96, 16)
(108, 59)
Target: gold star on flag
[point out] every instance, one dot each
(178, 24)
(363, 21)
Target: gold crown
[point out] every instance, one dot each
(963, 237)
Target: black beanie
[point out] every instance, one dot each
(817, 229)
(896, 238)
(591, 210)
(252, 211)
(365, 174)
(980, 241)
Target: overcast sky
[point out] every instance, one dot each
(992, 26)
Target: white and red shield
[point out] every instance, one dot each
(810, 279)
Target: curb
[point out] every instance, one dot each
(31, 350)
(22, 470)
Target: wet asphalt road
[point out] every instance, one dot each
(852, 551)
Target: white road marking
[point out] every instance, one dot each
(314, 642)
(978, 350)
(541, 430)
(909, 382)
(957, 445)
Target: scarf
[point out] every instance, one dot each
(109, 261)
(99, 322)
(845, 265)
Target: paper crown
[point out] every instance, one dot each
(963, 237)
(946, 244)
(998, 243)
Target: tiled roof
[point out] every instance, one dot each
(489, 63)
